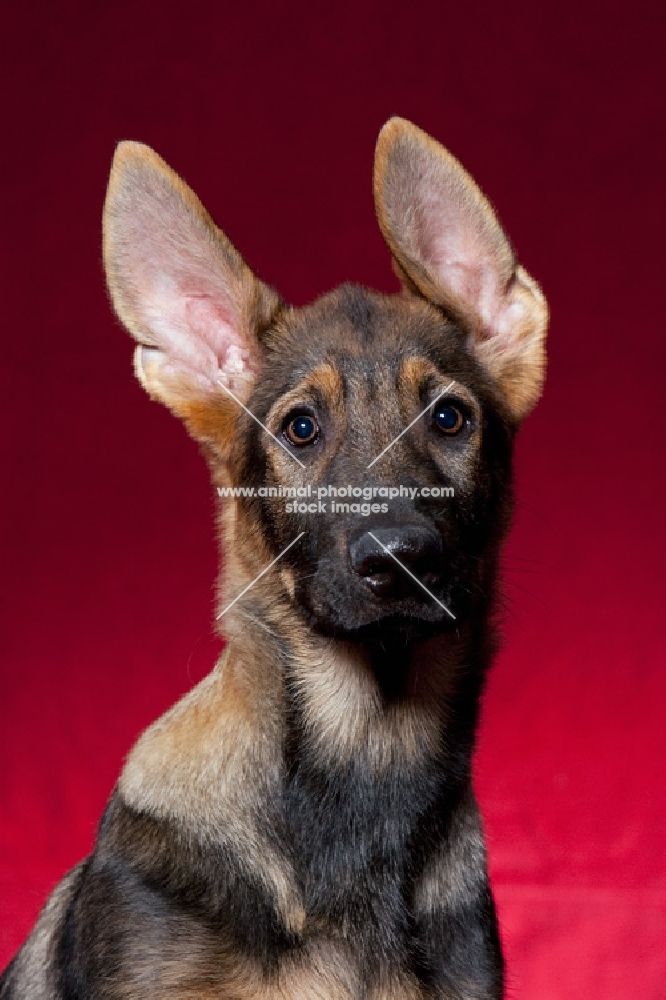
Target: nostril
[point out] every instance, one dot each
(375, 568)
(382, 582)
(418, 548)
(378, 573)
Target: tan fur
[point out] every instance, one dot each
(246, 555)
(346, 715)
(324, 380)
(211, 419)
(201, 969)
(443, 883)
(186, 768)
(325, 970)
(416, 372)
(404, 987)
(520, 375)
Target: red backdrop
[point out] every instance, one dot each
(271, 112)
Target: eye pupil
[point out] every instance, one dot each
(449, 419)
(302, 429)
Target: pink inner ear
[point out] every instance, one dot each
(217, 327)
(198, 331)
(452, 245)
(518, 314)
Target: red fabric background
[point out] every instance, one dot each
(271, 112)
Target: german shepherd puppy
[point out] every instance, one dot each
(302, 824)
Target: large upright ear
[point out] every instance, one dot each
(450, 248)
(182, 290)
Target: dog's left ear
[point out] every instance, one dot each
(183, 292)
(449, 247)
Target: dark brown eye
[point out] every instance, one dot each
(302, 429)
(448, 419)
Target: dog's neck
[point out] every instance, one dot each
(303, 726)
(346, 706)
(380, 701)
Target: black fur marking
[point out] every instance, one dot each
(364, 841)
(206, 882)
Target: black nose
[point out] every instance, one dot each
(417, 548)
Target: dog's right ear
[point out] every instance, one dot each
(183, 292)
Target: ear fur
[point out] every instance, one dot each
(449, 247)
(181, 289)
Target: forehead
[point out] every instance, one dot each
(368, 337)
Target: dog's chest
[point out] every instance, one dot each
(357, 841)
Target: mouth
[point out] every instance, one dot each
(369, 621)
(397, 630)
(390, 600)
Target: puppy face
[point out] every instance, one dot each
(341, 380)
(358, 392)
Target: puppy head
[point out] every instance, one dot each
(307, 399)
